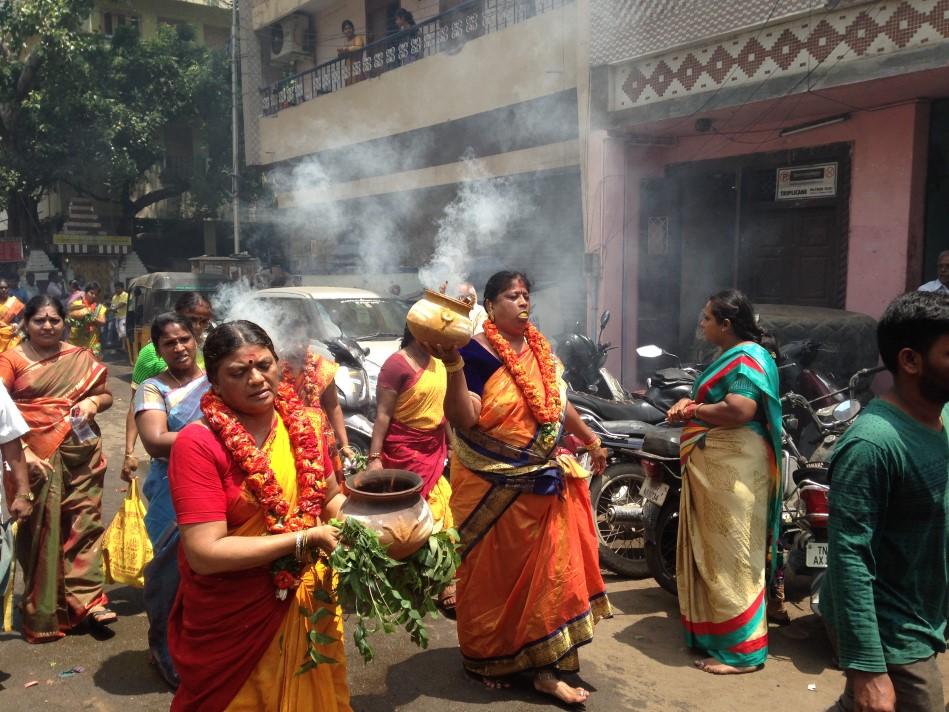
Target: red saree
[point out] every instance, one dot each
(235, 645)
(417, 440)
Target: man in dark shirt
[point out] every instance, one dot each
(886, 595)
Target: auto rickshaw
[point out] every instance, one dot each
(155, 293)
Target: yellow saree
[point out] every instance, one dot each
(274, 686)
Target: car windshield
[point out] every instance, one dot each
(367, 318)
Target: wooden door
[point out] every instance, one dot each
(792, 256)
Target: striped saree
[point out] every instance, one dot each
(59, 547)
(730, 512)
(529, 586)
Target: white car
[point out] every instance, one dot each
(375, 322)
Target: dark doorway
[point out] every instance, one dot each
(727, 227)
(380, 19)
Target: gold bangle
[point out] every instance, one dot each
(594, 444)
(455, 366)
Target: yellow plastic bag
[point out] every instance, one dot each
(126, 548)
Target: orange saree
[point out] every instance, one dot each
(10, 335)
(529, 586)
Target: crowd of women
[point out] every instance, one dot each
(247, 443)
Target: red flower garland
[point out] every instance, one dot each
(313, 382)
(261, 480)
(547, 406)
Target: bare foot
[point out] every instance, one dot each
(713, 666)
(447, 597)
(548, 683)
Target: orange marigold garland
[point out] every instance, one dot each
(261, 480)
(315, 378)
(547, 407)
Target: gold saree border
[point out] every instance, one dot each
(558, 649)
(491, 507)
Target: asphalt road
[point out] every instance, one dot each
(637, 661)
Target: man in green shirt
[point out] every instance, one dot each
(886, 594)
(197, 310)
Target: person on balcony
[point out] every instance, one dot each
(409, 46)
(351, 50)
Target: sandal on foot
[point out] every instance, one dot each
(101, 616)
(446, 602)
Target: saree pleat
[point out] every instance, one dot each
(729, 514)
(529, 586)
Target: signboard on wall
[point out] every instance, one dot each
(11, 250)
(806, 182)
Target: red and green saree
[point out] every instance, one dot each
(730, 511)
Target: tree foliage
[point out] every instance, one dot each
(94, 112)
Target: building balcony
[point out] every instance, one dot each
(457, 64)
(443, 34)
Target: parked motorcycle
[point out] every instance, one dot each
(352, 389)
(620, 542)
(584, 363)
(806, 510)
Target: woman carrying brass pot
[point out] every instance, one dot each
(529, 586)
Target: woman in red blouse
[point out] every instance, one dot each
(252, 486)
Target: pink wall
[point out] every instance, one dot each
(886, 192)
(886, 205)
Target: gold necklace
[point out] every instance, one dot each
(180, 384)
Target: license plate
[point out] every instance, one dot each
(654, 493)
(815, 555)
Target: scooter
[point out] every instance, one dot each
(352, 389)
(584, 363)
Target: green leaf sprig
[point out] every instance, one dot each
(386, 594)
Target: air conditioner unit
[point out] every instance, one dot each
(289, 39)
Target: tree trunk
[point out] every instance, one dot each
(23, 219)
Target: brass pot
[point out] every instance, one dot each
(390, 503)
(439, 319)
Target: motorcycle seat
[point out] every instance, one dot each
(672, 376)
(627, 427)
(663, 441)
(637, 409)
(817, 472)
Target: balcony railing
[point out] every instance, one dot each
(444, 33)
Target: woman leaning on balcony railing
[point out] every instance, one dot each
(352, 50)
